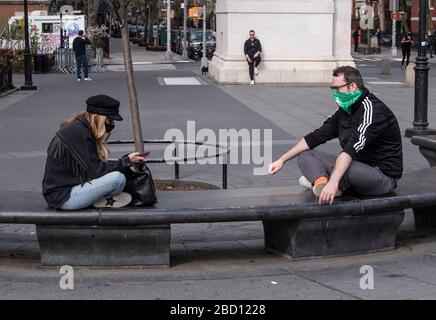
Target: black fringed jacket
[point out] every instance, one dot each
(72, 160)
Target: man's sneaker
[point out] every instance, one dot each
(256, 71)
(305, 183)
(119, 201)
(88, 79)
(78, 79)
(252, 83)
(318, 188)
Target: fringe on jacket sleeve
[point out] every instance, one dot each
(60, 150)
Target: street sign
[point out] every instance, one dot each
(366, 17)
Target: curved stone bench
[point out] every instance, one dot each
(427, 147)
(294, 224)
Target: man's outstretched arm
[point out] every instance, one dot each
(300, 147)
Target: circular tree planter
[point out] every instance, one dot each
(178, 185)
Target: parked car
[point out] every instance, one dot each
(135, 30)
(195, 44)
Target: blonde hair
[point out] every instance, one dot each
(98, 129)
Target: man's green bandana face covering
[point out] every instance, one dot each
(346, 99)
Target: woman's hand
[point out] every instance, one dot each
(135, 157)
(276, 166)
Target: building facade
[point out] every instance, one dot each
(410, 9)
(10, 8)
(415, 14)
(302, 41)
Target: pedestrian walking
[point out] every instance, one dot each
(79, 48)
(406, 47)
(371, 160)
(434, 41)
(356, 34)
(252, 51)
(429, 43)
(78, 172)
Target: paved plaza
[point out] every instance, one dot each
(216, 260)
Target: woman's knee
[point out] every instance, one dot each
(117, 178)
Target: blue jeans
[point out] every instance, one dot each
(109, 185)
(81, 60)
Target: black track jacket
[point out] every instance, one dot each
(371, 134)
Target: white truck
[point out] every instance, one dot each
(48, 28)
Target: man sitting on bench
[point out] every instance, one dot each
(371, 161)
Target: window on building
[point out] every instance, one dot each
(47, 28)
(431, 4)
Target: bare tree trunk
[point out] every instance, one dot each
(120, 8)
(91, 8)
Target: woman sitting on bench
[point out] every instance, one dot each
(78, 173)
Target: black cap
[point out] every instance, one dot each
(104, 105)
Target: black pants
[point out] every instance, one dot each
(406, 53)
(356, 45)
(254, 63)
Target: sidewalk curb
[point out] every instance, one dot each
(151, 63)
(4, 94)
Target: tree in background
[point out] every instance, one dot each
(381, 8)
(120, 9)
(90, 8)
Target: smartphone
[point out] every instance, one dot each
(145, 154)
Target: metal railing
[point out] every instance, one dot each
(225, 151)
(66, 60)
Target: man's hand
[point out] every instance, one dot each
(248, 58)
(276, 166)
(328, 193)
(256, 54)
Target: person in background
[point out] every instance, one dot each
(406, 47)
(356, 38)
(79, 48)
(252, 51)
(430, 43)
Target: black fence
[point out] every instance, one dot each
(221, 151)
(6, 76)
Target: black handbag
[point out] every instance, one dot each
(140, 185)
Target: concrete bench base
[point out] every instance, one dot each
(307, 238)
(104, 246)
(425, 217)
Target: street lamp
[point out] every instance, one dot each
(28, 85)
(185, 18)
(204, 61)
(420, 122)
(169, 54)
